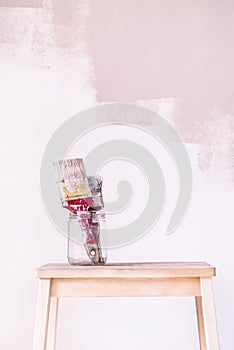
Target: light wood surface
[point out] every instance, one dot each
(209, 315)
(135, 270)
(52, 325)
(42, 315)
(124, 287)
(200, 323)
(163, 279)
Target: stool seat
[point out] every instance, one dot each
(117, 270)
(146, 279)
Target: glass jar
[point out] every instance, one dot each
(85, 239)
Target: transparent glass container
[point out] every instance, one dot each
(85, 239)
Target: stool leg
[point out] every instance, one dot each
(200, 322)
(209, 315)
(42, 315)
(51, 336)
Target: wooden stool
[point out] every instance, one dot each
(125, 280)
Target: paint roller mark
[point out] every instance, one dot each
(69, 24)
(52, 36)
(167, 107)
(217, 146)
(215, 137)
(52, 26)
(61, 29)
(16, 26)
(21, 3)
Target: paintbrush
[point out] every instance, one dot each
(95, 185)
(76, 197)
